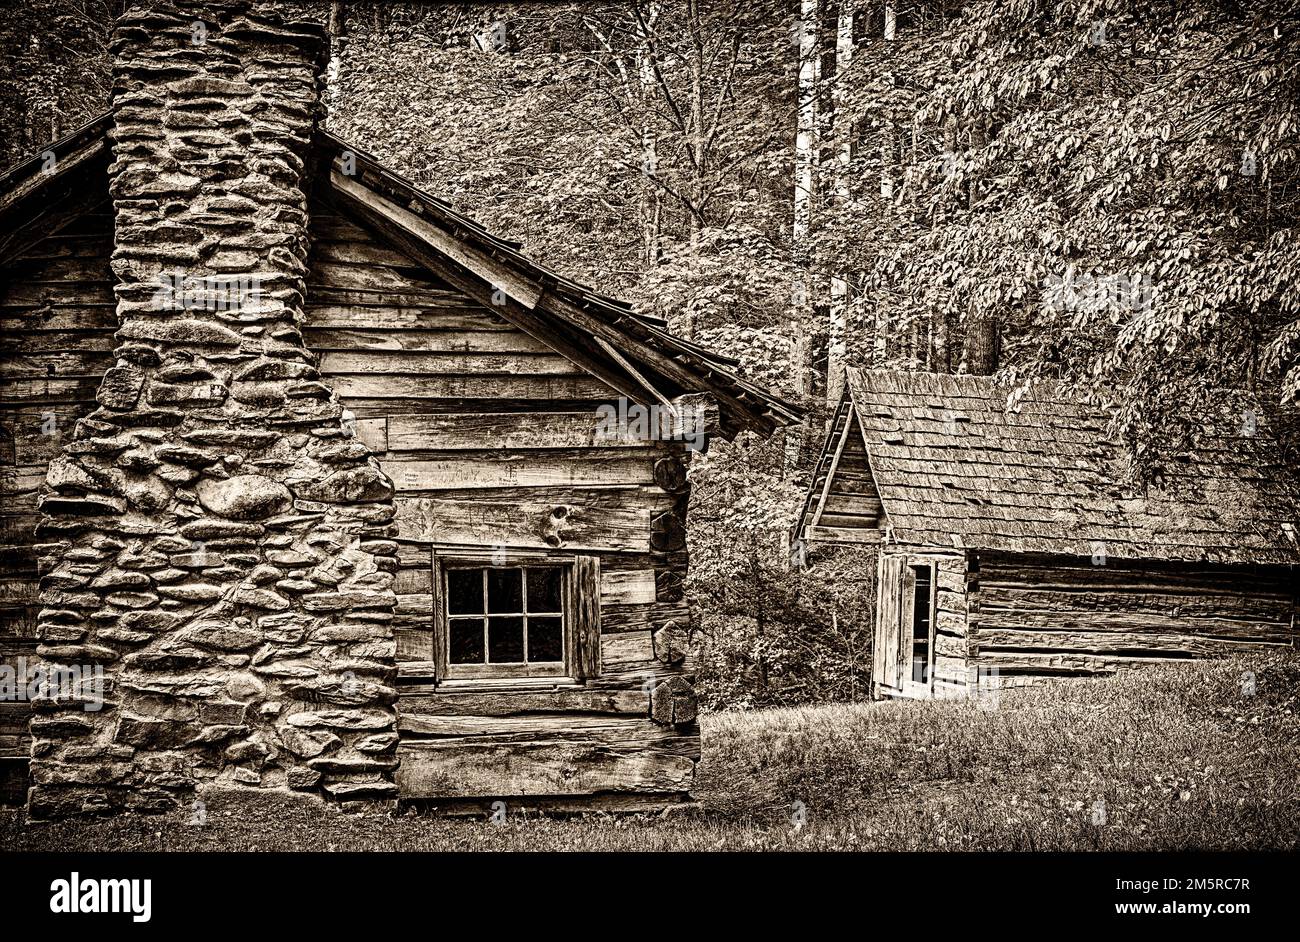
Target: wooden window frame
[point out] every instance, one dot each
(579, 619)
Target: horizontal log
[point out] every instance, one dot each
(522, 523)
(615, 618)
(436, 770)
(68, 363)
(60, 319)
(57, 341)
(554, 726)
(422, 340)
(1243, 603)
(519, 703)
(350, 310)
(414, 644)
(627, 587)
(365, 275)
(627, 652)
(1120, 643)
(352, 252)
(470, 387)
(506, 430)
(401, 363)
(1118, 622)
(520, 469)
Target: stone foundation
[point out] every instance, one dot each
(215, 538)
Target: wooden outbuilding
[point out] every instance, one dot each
(537, 436)
(1013, 547)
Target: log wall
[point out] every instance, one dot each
(57, 318)
(489, 438)
(1040, 616)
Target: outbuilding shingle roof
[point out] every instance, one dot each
(956, 467)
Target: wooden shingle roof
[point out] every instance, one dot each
(955, 467)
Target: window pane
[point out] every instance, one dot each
(465, 640)
(544, 590)
(464, 591)
(544, 639)
(506, 640)
(505, 590)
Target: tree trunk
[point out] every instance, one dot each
(334, 70)
(880, 350)
(651, 206)
(983, 345)
(805, 164)
(836, 346)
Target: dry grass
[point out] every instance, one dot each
(1180, 756)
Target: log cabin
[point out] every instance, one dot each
(1012, 546)
(336, 491)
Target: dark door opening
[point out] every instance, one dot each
(922, 617)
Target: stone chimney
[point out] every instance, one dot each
(215, 540)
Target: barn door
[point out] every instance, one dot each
(887, 669)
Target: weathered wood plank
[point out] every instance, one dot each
(470, 387)
(400, 363)
(520, 469)
(523, 523)
(521, 703)
(422, 340)
(628, 587)
(436, 770)
(506, 430)
(626, 652)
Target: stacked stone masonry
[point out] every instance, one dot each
(215, 538)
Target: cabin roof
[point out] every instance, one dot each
(632, 351)
(954, 466)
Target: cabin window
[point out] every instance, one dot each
(922, 614)
(529, 617)
(505, 617)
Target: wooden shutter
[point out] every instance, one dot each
(889, 621)
(586, 616)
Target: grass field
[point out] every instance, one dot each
(1171, 757)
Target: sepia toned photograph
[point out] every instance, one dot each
(760, 428)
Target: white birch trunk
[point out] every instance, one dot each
(839, 307)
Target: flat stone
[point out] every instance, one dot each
(188, 394)
(132, 599)
(120, 388)
(191, 592)
(343, 719)
(351, 485)
(222, 637)
(303, 779)
(89, 505)
(220, 529)
(260, 598)
(349, 790)
(180, 331)
(308, 743)
(146, 732)
(244, 497)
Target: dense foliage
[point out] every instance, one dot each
(1103, 191)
